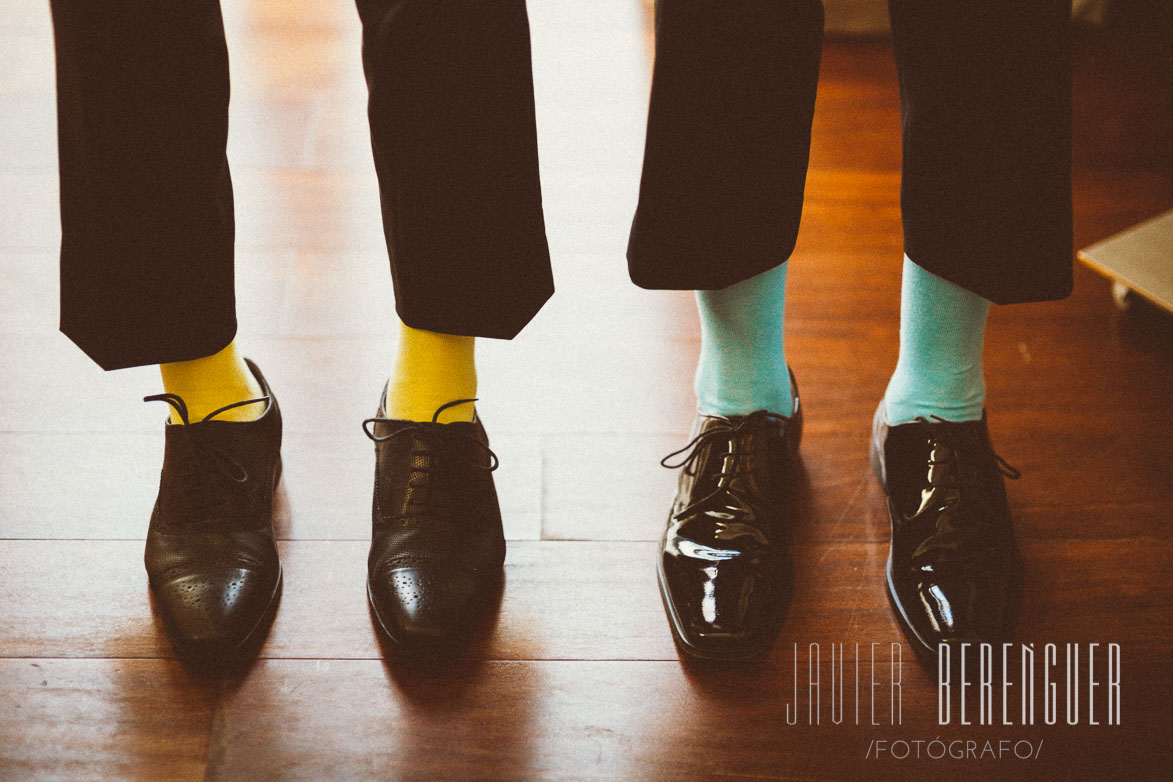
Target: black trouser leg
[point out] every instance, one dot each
(986, 98)
(146, 199)
(733, 93)
(455, 147)
(985, 90)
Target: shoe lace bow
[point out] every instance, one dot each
(207, 453)
(957, 473)
(425, 464)
(733, 465)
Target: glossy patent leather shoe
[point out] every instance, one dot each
(953, 572)
(211, 556)
(437, 544)
(725, 570)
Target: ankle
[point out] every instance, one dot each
(430, 370)
(724, 389)
(418, 399)
(209, 383)
(959, 397)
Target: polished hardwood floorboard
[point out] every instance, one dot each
(577, 678)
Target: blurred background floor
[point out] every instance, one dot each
(579, 678)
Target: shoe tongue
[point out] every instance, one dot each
(203, 468)
(217, 431)
(215, 442)
(755, 420)
(960, 438)
(947, 432)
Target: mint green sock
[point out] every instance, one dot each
(939, 371)
(742, 366)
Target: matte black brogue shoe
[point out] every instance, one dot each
(210, 555)
(954, 573)
(725, 570)
(437, 544)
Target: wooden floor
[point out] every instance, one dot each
(579, 678)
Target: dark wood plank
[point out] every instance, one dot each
(623, 720)
(104, 719)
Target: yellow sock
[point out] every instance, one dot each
(209, 383)
(430, 370)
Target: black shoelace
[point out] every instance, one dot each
(947, 544)
(426, 467)
(210, 459)
(949, 436)
(733, 464)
